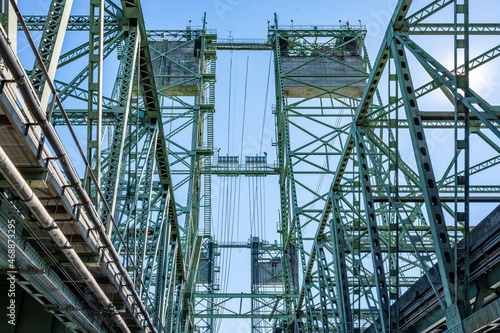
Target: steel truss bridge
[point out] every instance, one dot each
(387, 173)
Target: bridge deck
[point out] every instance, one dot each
(419, 308)
(20, 138)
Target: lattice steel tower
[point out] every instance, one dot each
(387, 172)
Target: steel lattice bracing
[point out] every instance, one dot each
(383, 169)
(141, 222)
(379, 236)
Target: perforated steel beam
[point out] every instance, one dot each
(429, 187)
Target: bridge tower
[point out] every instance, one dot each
(387, 173)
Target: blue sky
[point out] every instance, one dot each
(249, 19)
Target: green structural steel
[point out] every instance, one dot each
(354, 260)
(382, 167)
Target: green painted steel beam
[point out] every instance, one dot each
(375, 242)
(94, 96)
(241, 316)
(132, 11)
(241, 44)
(364, 107)
(83, 50)
(50, 46)
(474, 102)
(74, 87)
(449, 29)
(427, 11)
(243, 295)
(125, 82)
(484, 318)
(164, 260)
(432, 200)
(75, 23)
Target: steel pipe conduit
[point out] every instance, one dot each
(11, 62)
(26, 194)
(49, 282)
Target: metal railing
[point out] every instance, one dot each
(342, 26)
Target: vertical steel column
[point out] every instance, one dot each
(462, 145)
(191, 223)
(202, 116)
(173, 283)
(145, 186)
(161, 286)
(210, 282)
(9, 19)
(254, 272)
(326, 292)
(393, 179)
(290, 219)
(209, 57)
(339, 260)
(190, 286)
(94, 97)
(177, 307)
